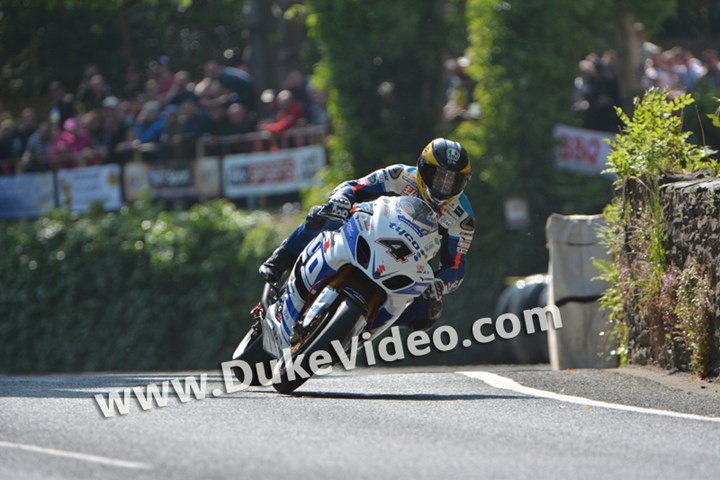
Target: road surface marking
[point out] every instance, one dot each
(77, 456)
(505, 383)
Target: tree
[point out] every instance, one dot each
(382, 64)
(44, 41)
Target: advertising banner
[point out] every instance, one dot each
(26, 196)
(80, 188)
(581, 150)
(268, 173)
(173, 179)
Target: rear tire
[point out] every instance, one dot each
(338, 325)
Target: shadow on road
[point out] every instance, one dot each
(84, 386)
(433, 397)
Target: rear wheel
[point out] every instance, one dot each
(331, 324)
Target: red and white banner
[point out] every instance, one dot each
(581, 150)
(269, 173)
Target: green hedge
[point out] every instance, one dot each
(139, 289)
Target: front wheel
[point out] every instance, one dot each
(251, 352)
(331, 324)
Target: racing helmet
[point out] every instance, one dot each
(443, 170)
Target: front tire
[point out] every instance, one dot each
(338, 324)
(250, 350)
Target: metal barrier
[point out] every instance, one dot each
(259, 141)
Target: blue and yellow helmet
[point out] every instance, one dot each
(443, 170)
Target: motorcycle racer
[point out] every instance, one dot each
(439, 178)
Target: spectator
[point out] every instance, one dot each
(290, 113)
(460, 97)
(109, 107)
(238, 121)
(134, 84)
(687, 69)
(7, 140)
(95, 93)
(114, 134)
(193, 125)
(83, 90)
(602, 96)
(150, 123)
(26, 126)
(92, 123)
(38, 144)
(182, 89)
(217, 124)
(658, 72)
(172, 124)
(319, 106)
(299, 87)
(71, 145)
(711, 79)
(268, 106)
(236, 85)
(62, 104)
(128, 110)
(162, 74)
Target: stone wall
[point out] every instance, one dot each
(691, 207)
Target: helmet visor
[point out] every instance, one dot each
(443, 183)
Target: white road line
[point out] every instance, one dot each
(78, 456)
(505, 383)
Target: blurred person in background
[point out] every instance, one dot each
(71, 145)
(171, 127)
(236, 86)
(34, 157)
(289, 113)
(460, 94)
(193, 124)
(83, 89)
(62, 104)
(134, 84)
(711, 79)
(217, 122)
(687, 69)
(163, 75)
(602, 96)
(95, 93)
(150, 123)
(238, 121)
(26, 126)
(114, 133)
(268, 106)
(182, 89)
(7, 139)
(659, 72)
(298, 85)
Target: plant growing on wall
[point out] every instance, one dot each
(652, 146)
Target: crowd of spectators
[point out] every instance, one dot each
(677, 70)
(160, 112)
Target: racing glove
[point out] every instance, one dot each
(435, 290)
(337, 208)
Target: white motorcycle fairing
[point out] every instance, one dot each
(390, 240)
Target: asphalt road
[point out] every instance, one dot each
(369, 423)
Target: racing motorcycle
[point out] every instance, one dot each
(350, 282)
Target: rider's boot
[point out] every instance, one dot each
(279, 262)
